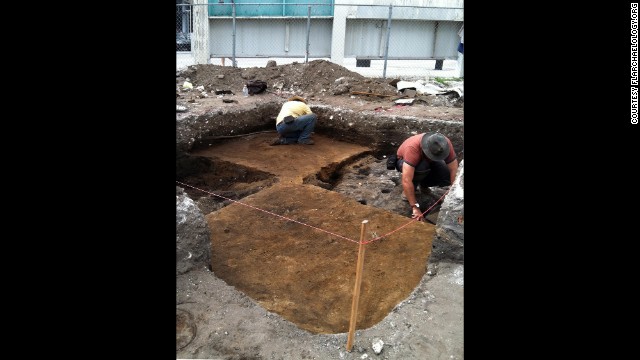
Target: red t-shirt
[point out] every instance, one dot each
(411, 151)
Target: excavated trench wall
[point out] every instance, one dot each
(382, 133)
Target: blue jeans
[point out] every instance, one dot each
(299, 130)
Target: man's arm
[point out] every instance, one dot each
(407, 185)
(453, 169)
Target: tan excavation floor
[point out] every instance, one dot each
(295, 250)
(290, 163)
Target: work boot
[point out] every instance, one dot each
(306, 142)
(279, 141)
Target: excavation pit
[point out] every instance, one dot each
(245, 314)
(292, 246)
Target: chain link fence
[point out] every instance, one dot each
(373, 40)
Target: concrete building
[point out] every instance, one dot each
(361, 29)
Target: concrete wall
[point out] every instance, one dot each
(346, 43)
(408, 38)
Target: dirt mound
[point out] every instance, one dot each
(311, 79)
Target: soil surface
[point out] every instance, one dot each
(320, 82)
(278, 257)
(285, 224)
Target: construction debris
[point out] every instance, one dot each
(404, 101)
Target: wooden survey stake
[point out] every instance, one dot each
(356, 289)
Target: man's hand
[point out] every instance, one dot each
(416, 214)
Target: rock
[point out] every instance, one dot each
(449, 240)
(271, 63)
(192, 235)
(409, 92)
(341, 80)
(341, 89)
(377, 346)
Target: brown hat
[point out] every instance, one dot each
(297, 98)
(435, 146)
